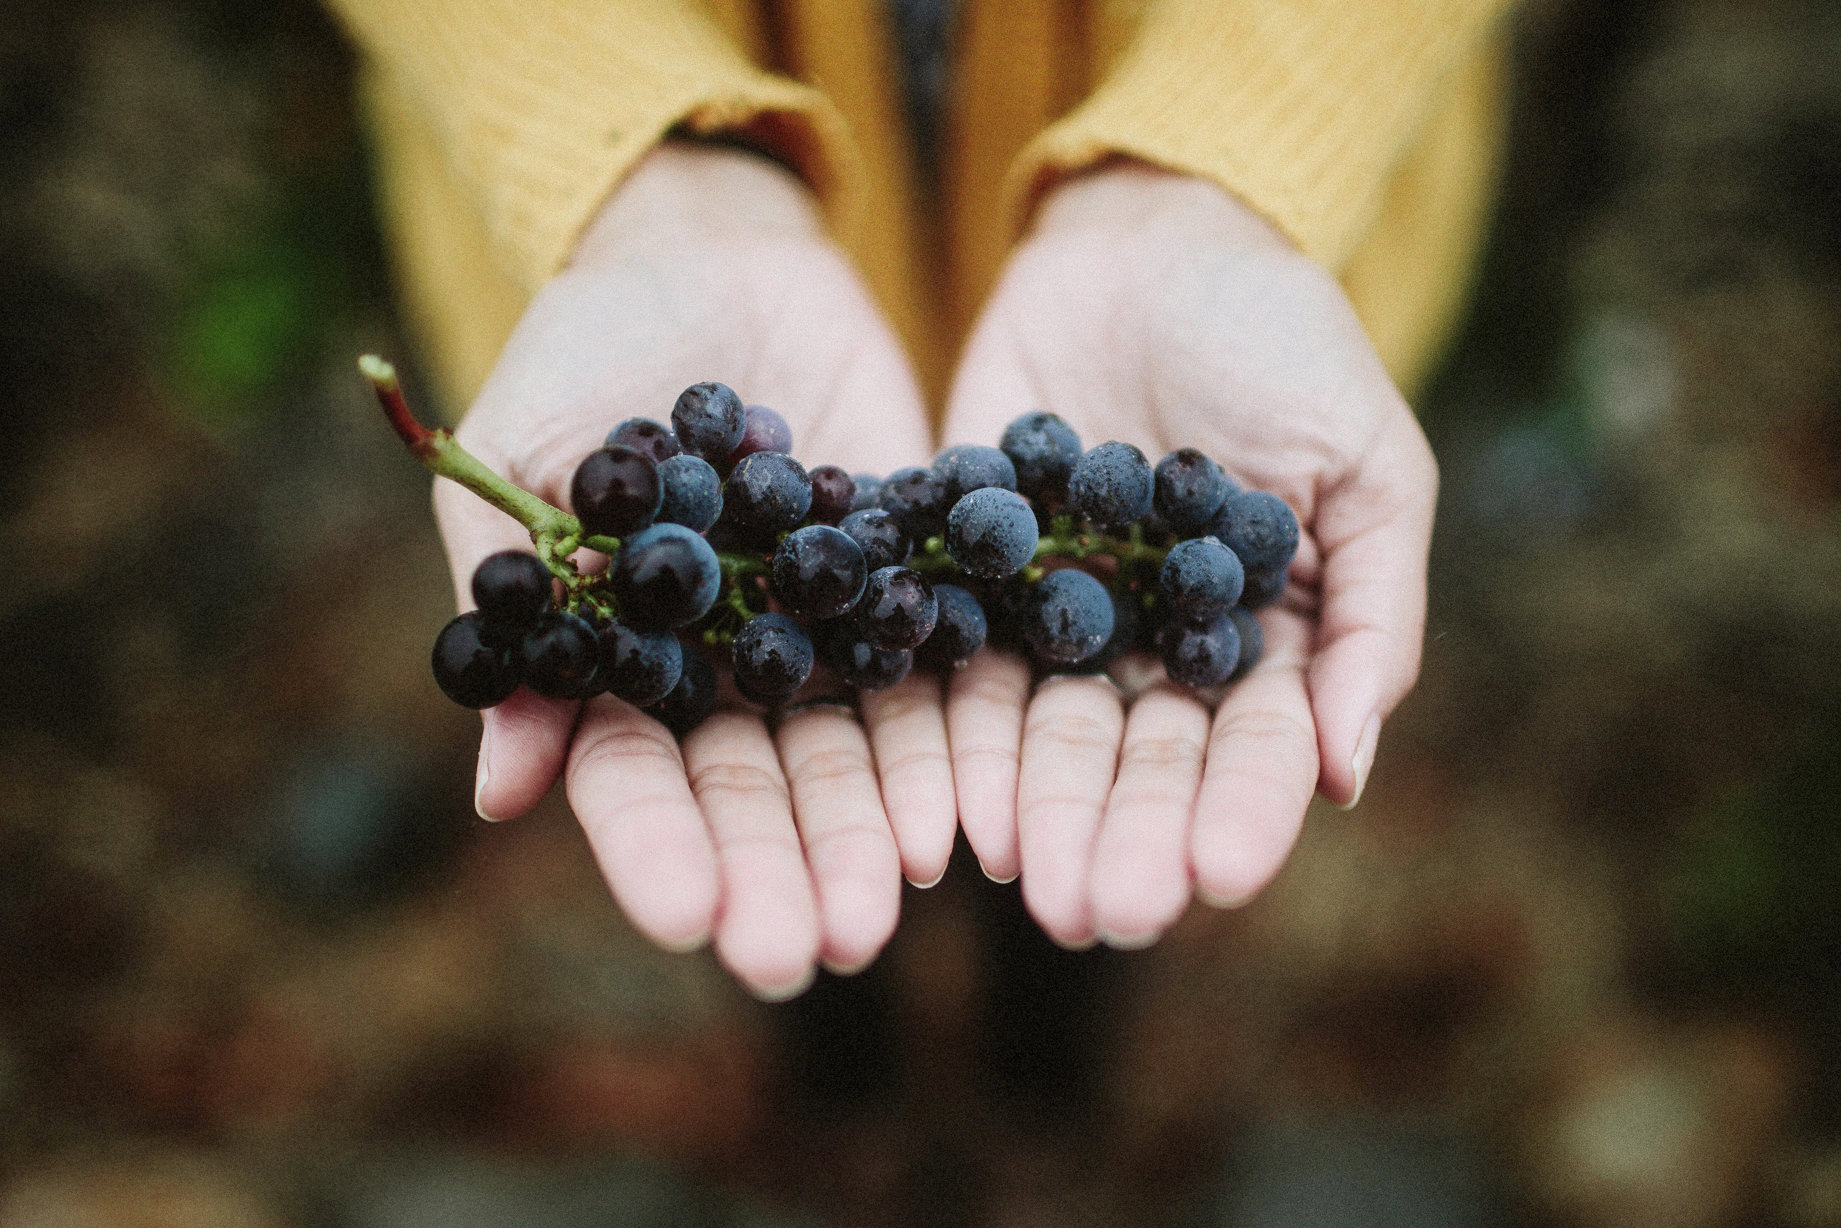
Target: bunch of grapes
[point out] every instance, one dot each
(720, 542)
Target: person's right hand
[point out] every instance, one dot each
(711, 264)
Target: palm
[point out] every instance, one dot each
(1156, 311)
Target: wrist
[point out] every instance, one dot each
(700, 193)
(1125, 195)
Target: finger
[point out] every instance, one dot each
(848, 845)
(1375, 532)
(984, 734)
(1260, 772)
(1140, 878)
(907, 730)
(523, 740)
(767, 926)
(521, 751)
(1070, 754)
(627, 786)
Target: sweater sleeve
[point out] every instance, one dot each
(1302, 108)
(537, 108)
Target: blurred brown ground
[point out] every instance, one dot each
(1575, 961)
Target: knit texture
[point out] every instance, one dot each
(1303, 108)
(538, 107)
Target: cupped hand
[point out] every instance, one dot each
(712, 264)
(1156, 309)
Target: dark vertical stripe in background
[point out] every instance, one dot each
(923, 36)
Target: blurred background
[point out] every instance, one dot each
(1575, 961)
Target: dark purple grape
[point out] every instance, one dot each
(1252, 642)
(615, 491)
(1126, 625)
(1044, 450)
(1152, 614)
(763, 430)
(692, 492)
(834, 494)
(1202, 577)
(1189, 489)
(868, 668)
(898, 608)
(1069, 618)
(767, 492)
(1262, 588)
(991, 532)
(1006, 608)
(916, 498)
(644, 435)
(1201, 654)
(883, 541)
(966, 467)
(511, 589)
(709, 421)
(559, 656)
(958, 632)
(692, 699)
(640, 667)
(469, 670)
(1157, 532)
(869, 486)
(818, 571)
(1258, 527)
(772, 657)
(665, 576)
(1112, 485)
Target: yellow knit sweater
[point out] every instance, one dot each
(1367, 130)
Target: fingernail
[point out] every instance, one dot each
(484, 775)
(1215, 899)
(684, 946)
(930, 882)
(1130, 942)
(1364, 757)
(999, 881)
(837, 969)
(784, 993)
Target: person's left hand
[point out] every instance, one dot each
(1158, 310)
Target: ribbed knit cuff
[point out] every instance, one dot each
(1302, 108)
(539, 107)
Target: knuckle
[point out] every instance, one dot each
(829, 765)
(620, 746)
(1075, 731)
(912, 761)
(902, 703)
(998, 683)
(1160, 753)
(1263, 727)
(1002, 755)
(741, 780)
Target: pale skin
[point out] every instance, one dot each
(1145, 307)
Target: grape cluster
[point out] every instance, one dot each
(725, 542)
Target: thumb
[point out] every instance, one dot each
(525, 738)
(1375, 531)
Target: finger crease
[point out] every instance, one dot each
(739, 779)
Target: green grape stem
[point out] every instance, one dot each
(557, 535)
(554, 532)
